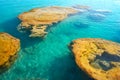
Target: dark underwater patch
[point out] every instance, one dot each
(104, 61)
(81, 25)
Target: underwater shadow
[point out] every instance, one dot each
(81, 24)
(116, 39)
(10, 27)
(65, 68)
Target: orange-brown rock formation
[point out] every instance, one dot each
(37, 20)
(9, 47)
(99, 58)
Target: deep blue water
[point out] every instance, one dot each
(50, 58)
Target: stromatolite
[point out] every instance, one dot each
(38, 20)
(99, 58)
(9, 47)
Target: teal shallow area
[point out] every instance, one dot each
(50, 58)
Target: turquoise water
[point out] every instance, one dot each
(50, 58)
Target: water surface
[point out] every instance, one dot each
(50, 58)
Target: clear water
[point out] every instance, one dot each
(50, 58)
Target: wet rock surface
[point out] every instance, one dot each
(9, 46)
(99, 58)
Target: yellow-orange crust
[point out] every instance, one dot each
(9, 46)
(85, 52)
(40, 18)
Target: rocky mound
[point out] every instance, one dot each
(37, 20)
(99, 58)
(9, 47)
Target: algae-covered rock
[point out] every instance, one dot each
(38, 20)
(9, 46)
(99, 58)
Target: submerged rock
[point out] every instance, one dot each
(101, 11)
(37, 20)
(96, 17)
(99, 58)
(81, 7)
(81, 25)
(9, 46)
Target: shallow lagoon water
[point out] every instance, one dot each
(50, 58)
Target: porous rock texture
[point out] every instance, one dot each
(9, 46)
(99, 58)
